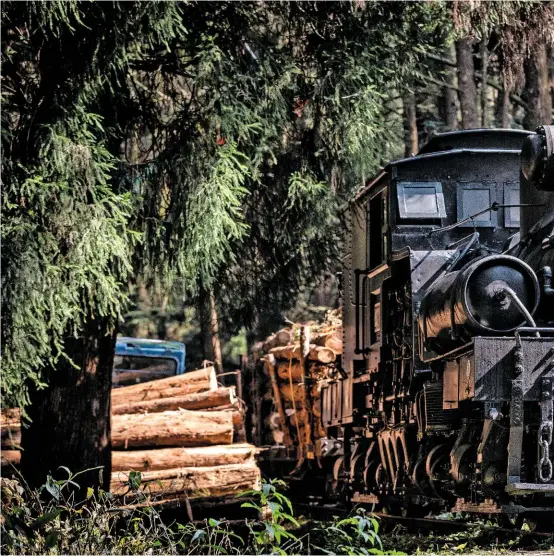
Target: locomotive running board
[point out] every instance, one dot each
(530, 488)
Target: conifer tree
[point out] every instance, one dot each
(206, 143)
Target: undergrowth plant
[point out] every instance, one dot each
(50, 520)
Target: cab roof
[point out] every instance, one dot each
(490, 139)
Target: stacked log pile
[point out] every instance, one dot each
(179, 433)
(290, 368)
(10, 425)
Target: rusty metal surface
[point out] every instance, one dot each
(530, 488)
(486, 507)
(494, 364)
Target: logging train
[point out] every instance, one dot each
(443, 398)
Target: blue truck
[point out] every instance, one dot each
(140, 360)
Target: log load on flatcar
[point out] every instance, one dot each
(444, 399)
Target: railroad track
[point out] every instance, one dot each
(326, 511)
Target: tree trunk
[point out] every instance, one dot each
(449, 104)
(466, 83)
(202, 380)
(70, 419)
(484, 51)
(410, 124)
(214, 331)
(223, 480)
(503, 106)
(172, 428)
(537, 91)
(209, 327)
(170, 458)
(197, 400)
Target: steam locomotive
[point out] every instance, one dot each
(445, 396)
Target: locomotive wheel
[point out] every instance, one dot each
(420, 478)
(370, 475)
(333, 482)
(436, 468)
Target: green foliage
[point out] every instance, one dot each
(49, 521)
(65, 251)
(199, 144)
(277, 508)
(356, 534)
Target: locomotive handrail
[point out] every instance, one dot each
(358, 348)
(495, 206)
(506, 290)
(531, 329)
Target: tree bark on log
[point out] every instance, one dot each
(237, 416)
(171, 458)
(331, 340)
(127, 378)
(10, 435)
(10, 416)
(10, 457)
(322, 354)
(202, 380)
(295, 393)
(196, 400)
(70, 419)
(296, 371)
(196, 482)
(281, 338)
(291, 351)
(270, 365)
(316, 353)
(172, 428)
(466, 83)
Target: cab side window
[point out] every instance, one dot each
(473, 197)
(511, 197)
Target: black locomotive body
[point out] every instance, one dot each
(445, 395)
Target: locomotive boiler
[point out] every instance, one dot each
(444, 399)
